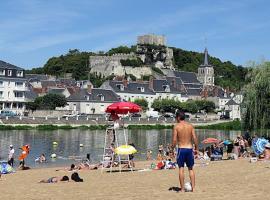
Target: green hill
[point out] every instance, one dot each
(226, 73)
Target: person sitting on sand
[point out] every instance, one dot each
(55, 180)
(159, 157)
(149, 155)
(266, 153)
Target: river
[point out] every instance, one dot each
(93, 141)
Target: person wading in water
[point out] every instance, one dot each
(183, 136)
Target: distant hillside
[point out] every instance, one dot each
(76, 62)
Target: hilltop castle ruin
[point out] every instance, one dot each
(151, 50)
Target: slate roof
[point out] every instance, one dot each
(159, 85)
(6, 65)
(187, 77)
(56, 90)
(231, 102)
(95, 96)
(194, 92)
(49, 83)
(171, 80)
(36, 77)
(68, 81)
(132, 87)
(193, 86)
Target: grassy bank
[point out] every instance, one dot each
(234, 125)
(51, 127)
(150, 127)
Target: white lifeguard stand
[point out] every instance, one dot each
(111, 142)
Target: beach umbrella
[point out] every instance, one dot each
(210, 140)
(5, 168)
(125, 150)
(226, 142)
(123, 108)
(258, 145)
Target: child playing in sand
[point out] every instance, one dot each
(149, 155)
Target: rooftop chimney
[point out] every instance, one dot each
(151, 83)
(89, 88)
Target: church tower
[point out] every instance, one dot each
(206, 72)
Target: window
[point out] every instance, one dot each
(166, 88)
(1, 83)
(2, 72)
(120, 87)
(9, 72)
(141, 89)
(20, 105)
(1, 93)
(102, 98)
(19, 73)
(18, 94)
(18, 84)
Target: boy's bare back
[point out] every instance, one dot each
(184, 134)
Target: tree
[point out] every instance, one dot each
(166, 105)
(122, 49)
(51, 101)
(141, 102)
(190, 106)
(48, 101)
(31, 106)
(207, 106)
(256, 104)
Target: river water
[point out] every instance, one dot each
(68, 148)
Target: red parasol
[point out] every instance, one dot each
(210, 140)
(123, 108)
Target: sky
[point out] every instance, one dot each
(32, 31)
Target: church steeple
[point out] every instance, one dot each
(205, 63)
(206, 71)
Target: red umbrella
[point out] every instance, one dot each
(210, 140)
(123, 108)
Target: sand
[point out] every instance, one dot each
(219, 180)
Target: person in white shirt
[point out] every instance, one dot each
(11, 155)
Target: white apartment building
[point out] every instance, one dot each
(13, 88)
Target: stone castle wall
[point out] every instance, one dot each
(152, 39)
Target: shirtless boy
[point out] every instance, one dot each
(183, 135)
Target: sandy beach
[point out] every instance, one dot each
(219, 180)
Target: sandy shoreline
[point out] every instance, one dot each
(237, 179)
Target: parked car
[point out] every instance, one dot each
(224, 117)
(136, 115)
(69, 115)
(7, 113)
(199, 115)
(152, 114)
(168, 115)
(81, 115)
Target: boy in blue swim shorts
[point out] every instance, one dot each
(184, 136)
(185, 156)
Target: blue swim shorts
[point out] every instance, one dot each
(185, 155)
